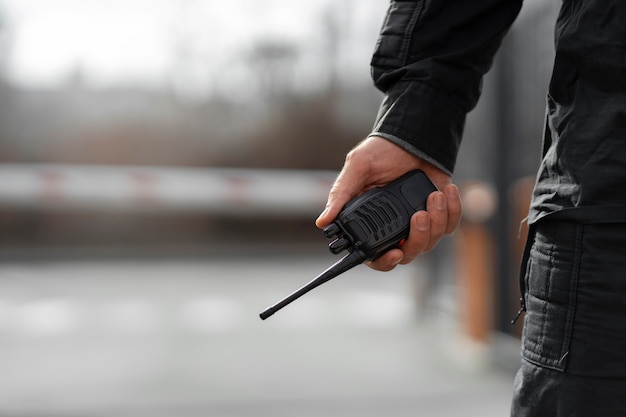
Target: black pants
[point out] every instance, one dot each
(574, 340)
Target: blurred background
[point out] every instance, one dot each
(161, 165)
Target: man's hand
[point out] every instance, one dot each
(376, 162)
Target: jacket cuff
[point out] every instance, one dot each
(422, 120)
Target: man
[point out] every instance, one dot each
(429, 62)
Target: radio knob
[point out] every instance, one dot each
(338, 245)
(331, 230)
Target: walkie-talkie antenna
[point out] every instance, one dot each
(349, 261)
(368, 226)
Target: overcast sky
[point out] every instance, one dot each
(146, 41)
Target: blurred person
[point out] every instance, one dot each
(429, 61)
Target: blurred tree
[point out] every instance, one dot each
(272, 62)
(189, 63)
(336, 25)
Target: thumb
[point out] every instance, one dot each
(347, 186)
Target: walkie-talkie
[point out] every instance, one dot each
(368, 226)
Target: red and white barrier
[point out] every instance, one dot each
(230, 191)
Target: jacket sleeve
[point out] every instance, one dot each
(429, 62)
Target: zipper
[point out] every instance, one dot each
(522, 270)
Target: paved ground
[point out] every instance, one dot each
(182, 337)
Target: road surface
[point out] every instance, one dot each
(182, 337)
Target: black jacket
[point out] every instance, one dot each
(430, 59)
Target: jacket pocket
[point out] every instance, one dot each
(551, 283)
